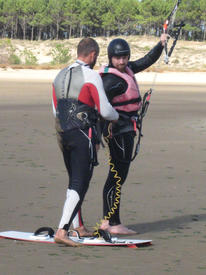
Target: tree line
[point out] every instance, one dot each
(62, 19)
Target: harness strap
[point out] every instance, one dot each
(137, 123)
(145, 105)
(69, 84)
(131, 101)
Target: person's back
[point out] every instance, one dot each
(78, 95)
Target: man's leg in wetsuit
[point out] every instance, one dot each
(121, 148)
(78, 225)
(76, 152)
(77, 222)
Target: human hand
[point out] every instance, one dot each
(163, 38)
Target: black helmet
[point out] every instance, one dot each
(118, 47)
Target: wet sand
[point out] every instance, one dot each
(164, 198)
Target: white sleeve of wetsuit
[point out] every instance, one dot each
(94, 84)
(106, 109)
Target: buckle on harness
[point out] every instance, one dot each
(82, 116)
(134, 119)
(72, 110)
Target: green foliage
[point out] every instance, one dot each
(9, 52)
(54, 19)
(30, 58)
(176, 61)
(5, 43)
(146, 48)
(14, 59)
(60, 54)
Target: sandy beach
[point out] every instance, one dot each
(163, 198)
(197, 78)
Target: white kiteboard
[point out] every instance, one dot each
(89, 241)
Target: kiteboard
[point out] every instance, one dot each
(39, 237)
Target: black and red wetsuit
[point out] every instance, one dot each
(78, 95)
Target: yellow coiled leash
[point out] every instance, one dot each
(118, 186)
(138, 123)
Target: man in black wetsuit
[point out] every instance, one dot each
(78, 95)
(123, 93)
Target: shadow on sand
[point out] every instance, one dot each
(169, 224)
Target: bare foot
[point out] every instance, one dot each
(119, 229)
(105, 225)
(61, 238)
(83, 232)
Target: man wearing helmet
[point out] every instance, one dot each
(123, 93)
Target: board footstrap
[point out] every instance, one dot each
(41, 230)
